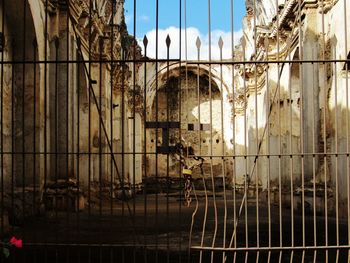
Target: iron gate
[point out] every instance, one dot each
(174, 148)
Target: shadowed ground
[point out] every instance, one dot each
(158, 229)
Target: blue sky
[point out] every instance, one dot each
(197, 21)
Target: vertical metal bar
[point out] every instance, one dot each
(34, 122)
(100, 179)
(13, 133)
(180, 112)
(111, 107)
(198, 44)
(279, 136)
(279, 69)
(134, 123)
(123, 127)
(336, 156)
(68, 83)
(23, 108)
(291, 166)
(302, 142)
(192, 222)
(145, 225)
(185, 121)
(167, 90)
(234, 231)
(314, 150)
(211, 134)
(89, 113)
(156, 135)
(56, 122)
(203, 178)
(256, 159)
(89, 116)
(325, 128)
(78, 91)
(89, 251)
(186, 108)
(46, 94)
(347, 124)
(266, 43)
(2, 215)
(246, 184)
(65, 155)
(223, 151)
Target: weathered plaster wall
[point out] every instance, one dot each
(70, 123)
(335, 82)
(309, 101)
(6, 83)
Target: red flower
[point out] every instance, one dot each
(16, 242)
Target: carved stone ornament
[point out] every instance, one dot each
(327, 5)
(135, 99)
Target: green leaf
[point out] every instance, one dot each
(6, 252)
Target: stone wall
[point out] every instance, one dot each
(301, 106)
(55, 115)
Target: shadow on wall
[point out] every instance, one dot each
(20, 40)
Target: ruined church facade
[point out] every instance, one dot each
(273, 118)
(296, 109)
(76, 104)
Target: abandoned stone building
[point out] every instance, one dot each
(297, 113)
(56, 107)
(288, 111)
(88, 121)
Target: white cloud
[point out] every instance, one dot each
(192, 34)
(144, 18)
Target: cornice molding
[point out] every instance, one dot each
(327, 5)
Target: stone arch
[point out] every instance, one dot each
(174, 69)
(175, 102)
(38, 15)
(22, 46)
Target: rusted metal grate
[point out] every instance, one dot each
(175, 148)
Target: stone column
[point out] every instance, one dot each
(310, 90)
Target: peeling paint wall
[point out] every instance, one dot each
(302, 106)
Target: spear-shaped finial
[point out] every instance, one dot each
(168, 41)
(198, 43)
(145, 41)
(220, 43)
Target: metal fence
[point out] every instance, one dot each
(230, 147)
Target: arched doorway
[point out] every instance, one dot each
(190, 104)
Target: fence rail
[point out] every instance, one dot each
(194, 143)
